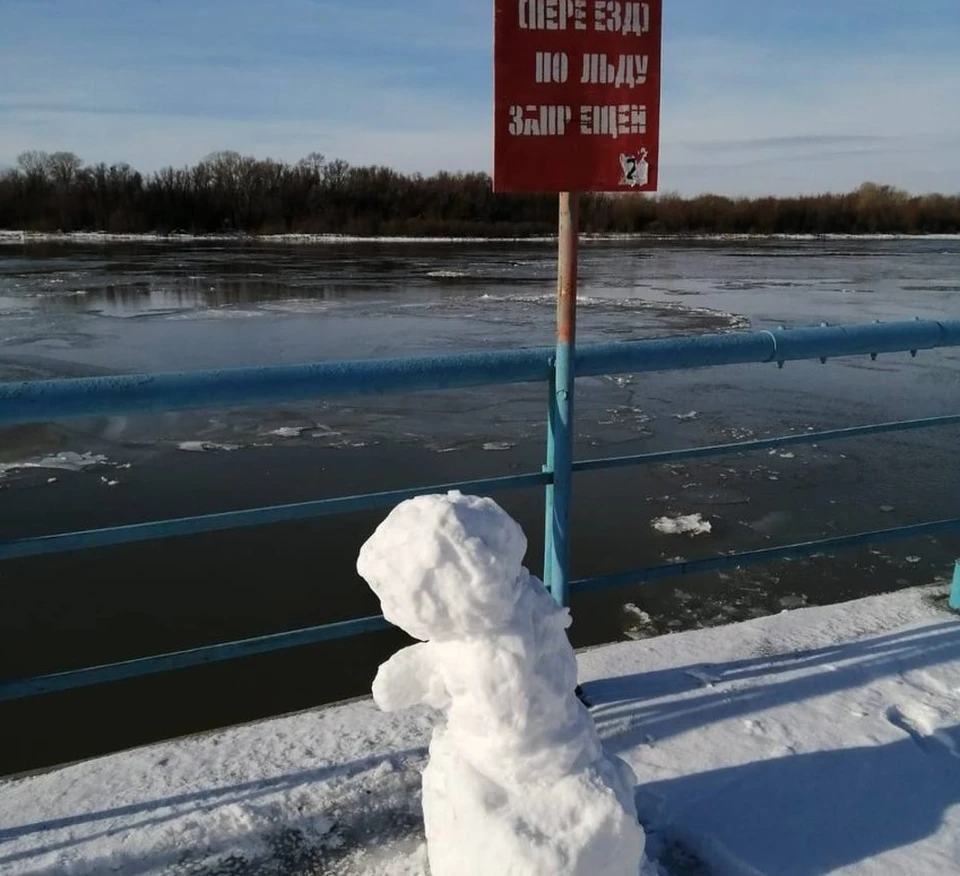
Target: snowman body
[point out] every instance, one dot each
(517, 782)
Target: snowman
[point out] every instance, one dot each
(517, 782)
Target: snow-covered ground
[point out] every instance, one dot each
(819, 741)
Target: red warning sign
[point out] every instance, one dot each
(577, 95)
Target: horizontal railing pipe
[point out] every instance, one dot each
(764, 555)
(851, 340)
(78, 678)
(688, 453)
(782, 345)
(670, 354)
(156, 529)
(223, 521)
(44, 400)
(951, 332)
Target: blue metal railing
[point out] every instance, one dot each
(41, 401)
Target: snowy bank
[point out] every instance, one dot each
(99, 238)
(822, 740)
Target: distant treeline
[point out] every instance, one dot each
(232, 192)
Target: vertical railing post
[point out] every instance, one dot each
(548, 468)
(955, 589)
(556, 563)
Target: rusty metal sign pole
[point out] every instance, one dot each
(556, 562)
(576, 109)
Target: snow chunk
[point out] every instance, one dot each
(205, 446)
(690, 524)
(517, 780)
(65, 461)
(289, 431)
(498, 446)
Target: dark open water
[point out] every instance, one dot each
(69, 310)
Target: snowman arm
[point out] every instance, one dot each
(409, 678)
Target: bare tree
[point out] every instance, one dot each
(63, 167)
(34, 164)
(47, 191)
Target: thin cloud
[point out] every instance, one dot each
(802, 141)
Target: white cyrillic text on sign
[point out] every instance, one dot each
(541, 120)
(623, 71)
(628, 71)
(613, 121)
(553, 14)
(603, 16)
(552, 67)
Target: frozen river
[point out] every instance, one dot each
(70, 310)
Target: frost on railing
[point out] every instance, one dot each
(517, 781)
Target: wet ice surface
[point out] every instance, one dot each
(71, 311)
(68, 311)
(86, 310)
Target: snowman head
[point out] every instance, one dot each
(446, 566)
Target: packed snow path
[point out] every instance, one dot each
(825, 740)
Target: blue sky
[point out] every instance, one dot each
(759, 97)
